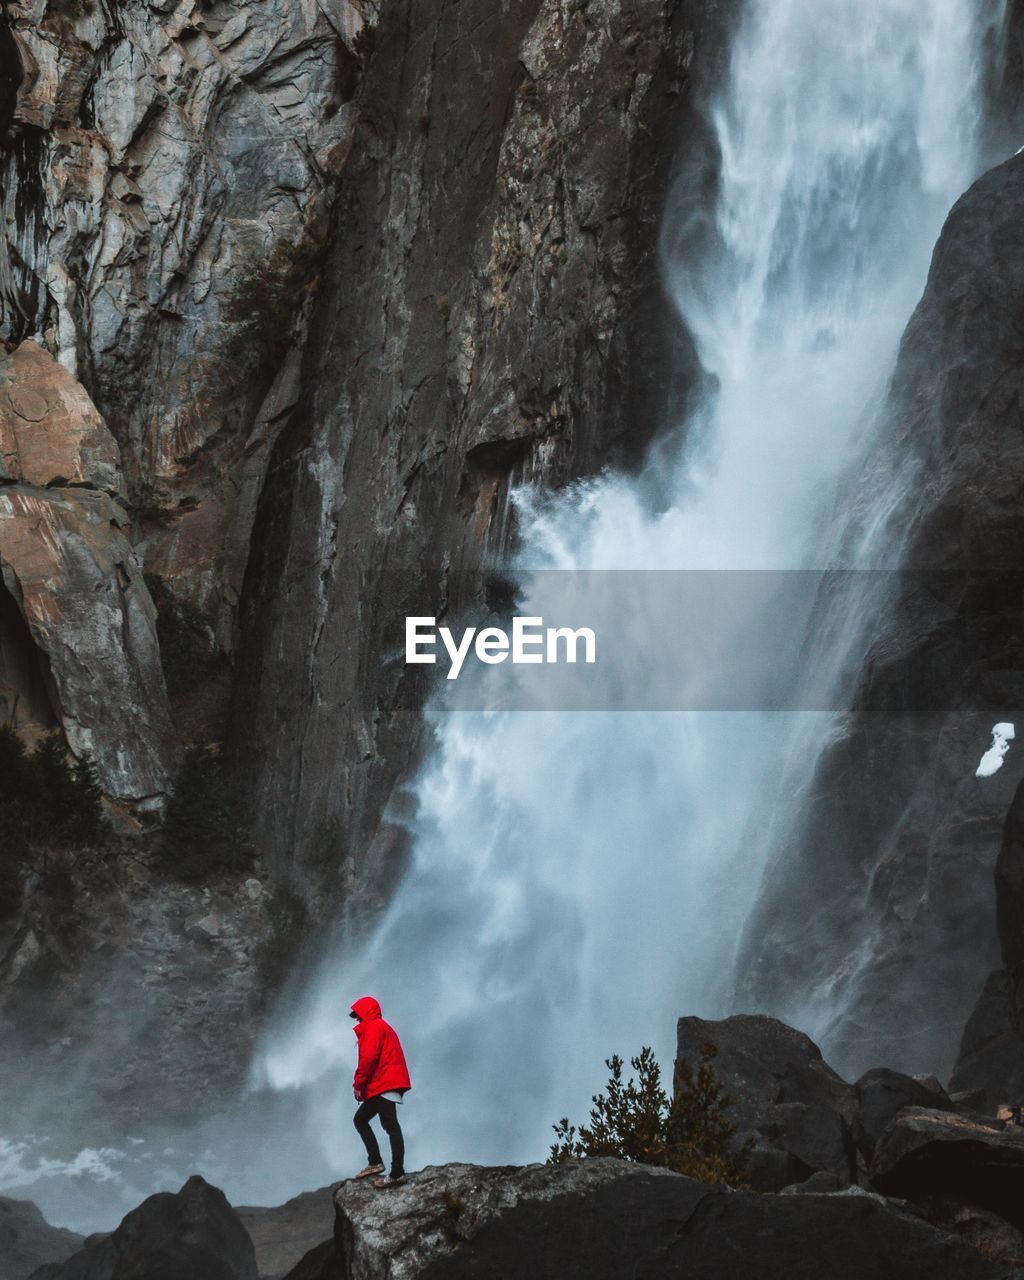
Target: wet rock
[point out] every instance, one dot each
(606, 1219)
(27, 1240)
(193, 1233)
(786, 1097)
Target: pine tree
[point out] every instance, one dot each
(88, 820)
(635, 1121)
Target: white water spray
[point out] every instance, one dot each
(580, 879)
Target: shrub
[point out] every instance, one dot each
(65, 798)
(206, 824)
(46, 801)
(45, 798)
(636, 1121)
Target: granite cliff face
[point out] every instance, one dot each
(165, 170)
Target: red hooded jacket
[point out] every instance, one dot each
(381, 1066)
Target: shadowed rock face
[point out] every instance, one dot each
(876, 922)
(491, 314)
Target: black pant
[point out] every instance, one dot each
(388, 1112)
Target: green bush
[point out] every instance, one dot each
(206, 824)
(636, 1121)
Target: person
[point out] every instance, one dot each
(380, 1082)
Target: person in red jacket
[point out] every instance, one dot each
(381, 1080)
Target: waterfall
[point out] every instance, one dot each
(579, 879)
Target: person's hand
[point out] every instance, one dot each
(356, 1094)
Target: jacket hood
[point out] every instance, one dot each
(367, 1008)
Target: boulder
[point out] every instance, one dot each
(786, 1097)
(882, 1094)
(193, 1234)
(285, 1234)
(935, 1157)
(605, 1219)
(27, 1240)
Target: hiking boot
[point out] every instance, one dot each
(382, 1183)
(370, 1170)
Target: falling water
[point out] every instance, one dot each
(580, 879)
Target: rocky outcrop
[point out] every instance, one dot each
(966, 1173)
(604, 1218)
(193, 1233)
(786, 1098)
(512, 331)
(876, 922)
(27, 1240)
(79, 646)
